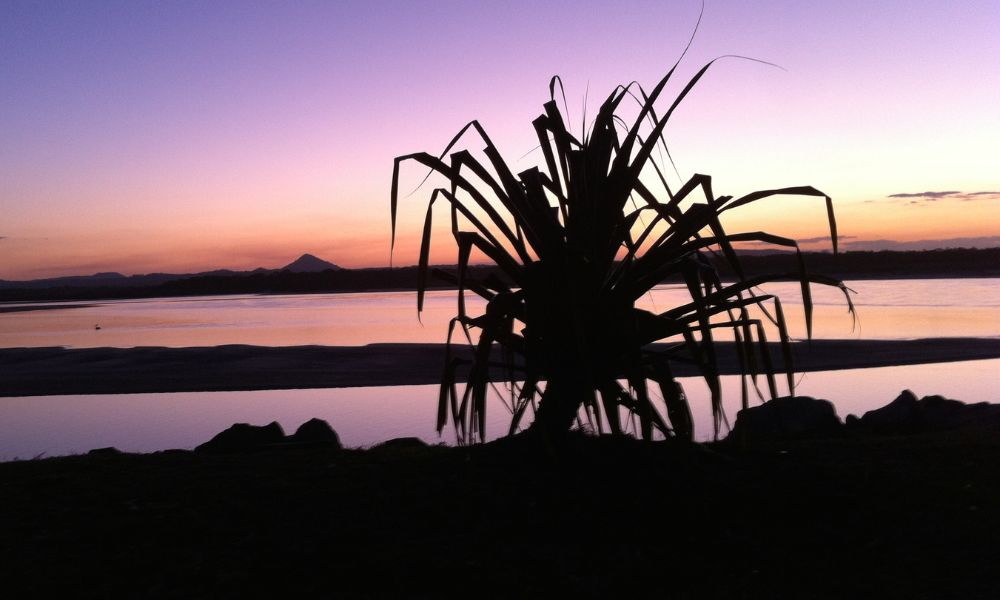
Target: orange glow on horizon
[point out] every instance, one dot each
(364, 242)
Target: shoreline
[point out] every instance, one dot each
(4, 308)
(60, 371)
(83, 299)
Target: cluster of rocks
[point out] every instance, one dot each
(802, 417)
(781, 419)
(242, 437)
(906, 415)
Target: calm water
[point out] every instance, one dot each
(55, 425)
(888, 309)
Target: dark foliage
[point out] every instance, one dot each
(579, 240)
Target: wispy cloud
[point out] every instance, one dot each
(810, 240)
(927, 195)
(824, 238)
(918, 197)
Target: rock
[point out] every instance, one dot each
(109, 451)
(941, 411)
(786, 418)
(315, 431)
(173, 452)
(242, 437)
(899, 416)
(402, 443)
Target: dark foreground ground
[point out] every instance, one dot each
(891, 517)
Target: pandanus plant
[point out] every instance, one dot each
(578, 242)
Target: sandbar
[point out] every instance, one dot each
(61, 371)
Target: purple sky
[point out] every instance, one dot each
(181, 136)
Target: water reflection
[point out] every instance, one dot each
(56, 425)
(889, 309)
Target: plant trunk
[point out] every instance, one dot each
(560, 405)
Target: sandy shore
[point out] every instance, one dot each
(34, 307)
(49, 371)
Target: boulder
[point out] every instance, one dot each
(173, 452)
(980, 414)
(109, 451)
(315, 431)
(242, 437)
(938, 411)
(786, 418)
(402, 443)
(899, 416)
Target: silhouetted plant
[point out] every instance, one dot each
(579, 242)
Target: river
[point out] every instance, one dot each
(55, 425)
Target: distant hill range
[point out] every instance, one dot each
(307, 263)
(309, 274)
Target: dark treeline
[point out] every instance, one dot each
(882, 264)
(282, 282)
(850, 265)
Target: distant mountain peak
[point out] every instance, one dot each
(307, 263)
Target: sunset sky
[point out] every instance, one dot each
(184, 136)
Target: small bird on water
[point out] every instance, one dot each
(97, 326)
